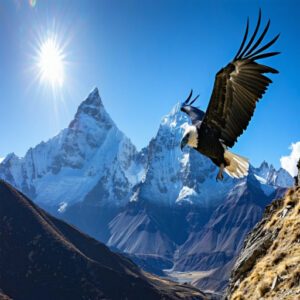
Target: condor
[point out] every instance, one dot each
(237, 89)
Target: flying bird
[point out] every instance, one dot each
(237, 89)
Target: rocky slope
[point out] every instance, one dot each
(268, 266)
(42, 257)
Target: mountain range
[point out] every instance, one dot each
(161, 207)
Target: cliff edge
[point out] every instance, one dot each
(268, 266)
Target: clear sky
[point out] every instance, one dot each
(144, 56)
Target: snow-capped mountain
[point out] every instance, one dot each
(173, 176)
(161, 206)
(179, 213)
(91, 152)
(267, 174)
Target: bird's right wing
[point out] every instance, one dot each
(238, 87)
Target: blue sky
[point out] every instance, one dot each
(144, 56)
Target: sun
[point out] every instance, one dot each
(51, 63)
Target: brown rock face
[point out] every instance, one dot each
(42, 257)
(268, 266)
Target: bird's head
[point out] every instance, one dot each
(186, 106)
(190, 137)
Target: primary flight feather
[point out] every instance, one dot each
(237, 89)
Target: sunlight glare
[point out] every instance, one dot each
(51, 63)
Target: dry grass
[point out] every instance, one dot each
(263, 288)
(277, 274)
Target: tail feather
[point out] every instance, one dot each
(238, 166)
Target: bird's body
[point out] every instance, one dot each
(237, 89)
(206, 142)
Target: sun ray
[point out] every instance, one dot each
(51, 62)
(49, 67)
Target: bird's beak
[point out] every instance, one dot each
(183, 142)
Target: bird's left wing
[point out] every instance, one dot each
(238, 87)
(194, 113)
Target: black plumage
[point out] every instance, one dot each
(237, 89)
(194, 113)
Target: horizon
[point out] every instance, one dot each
(143, 68)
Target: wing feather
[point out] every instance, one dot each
(244, 40)
(238, 87)
(257, 43)
(253, 36)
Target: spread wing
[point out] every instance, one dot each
(194, 113)
(238, 87)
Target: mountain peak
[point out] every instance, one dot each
(92, 101)
(91, 108)
(267, 174)
(94, 98)
(175, 118)
(9, 157)
(264, 164)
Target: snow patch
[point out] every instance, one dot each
(173, 124)
(185, 193)
(62, 207)
(260, 179)
(185, 159)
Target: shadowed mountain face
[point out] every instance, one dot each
(214, 247)
(42, 257)
(196, 245)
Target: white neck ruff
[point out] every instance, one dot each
(193, 136)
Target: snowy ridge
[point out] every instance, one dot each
(267, 174)
(65, 168)
(92, 154)
(171, 172)
(173, 176)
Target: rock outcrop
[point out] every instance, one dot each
(268, 266)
